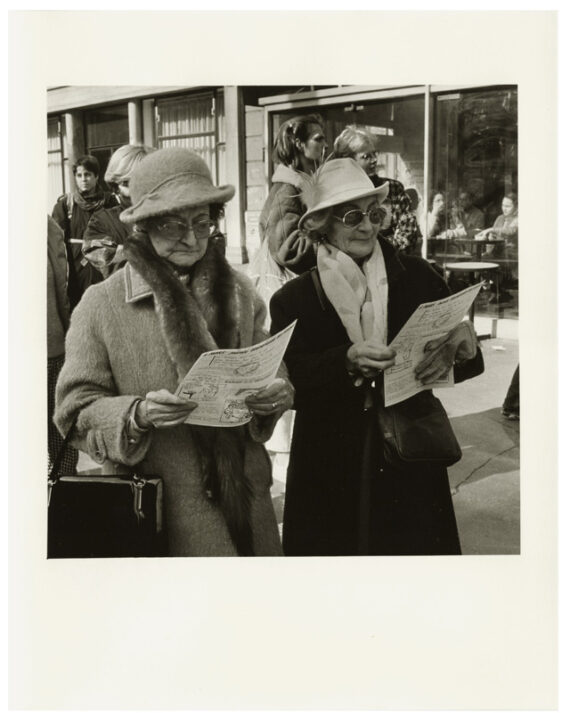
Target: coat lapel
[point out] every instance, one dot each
(136, 287)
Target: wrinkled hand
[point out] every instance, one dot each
(458, 345)
(162, 409)
(277, 397)
(369, 358)
(293, 248)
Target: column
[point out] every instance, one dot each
(135, 122)
(148, 123)
(74, 140)
(235, 223)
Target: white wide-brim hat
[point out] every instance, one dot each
(337, 181)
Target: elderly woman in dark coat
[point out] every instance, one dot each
(134, 337)
(347, 310)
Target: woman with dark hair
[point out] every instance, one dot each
(134, 337)
(105, 233)
(299, 147)
(437, 218)
(343, 495)
(400, 226)
(72, 213)
(504, 235)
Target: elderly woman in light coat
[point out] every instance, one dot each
(135, 336)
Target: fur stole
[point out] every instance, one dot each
(194, 318)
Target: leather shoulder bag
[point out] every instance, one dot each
(417, 432)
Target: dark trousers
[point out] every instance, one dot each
(55, 441)
(512, 399)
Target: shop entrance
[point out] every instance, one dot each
(106, 129)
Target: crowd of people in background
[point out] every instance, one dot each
(139, 283)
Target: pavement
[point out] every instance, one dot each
(486, 481)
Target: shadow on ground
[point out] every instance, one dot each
(490, 445)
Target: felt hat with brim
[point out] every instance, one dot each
(170, 180)
(340, 180)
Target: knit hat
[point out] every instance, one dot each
(171, 180)
(337, 181)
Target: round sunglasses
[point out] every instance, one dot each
(352, 218)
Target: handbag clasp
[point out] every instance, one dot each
(137, 484)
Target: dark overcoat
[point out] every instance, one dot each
(410, 512)
(73, 220)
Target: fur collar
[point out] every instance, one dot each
(287, 174)
(197, 317)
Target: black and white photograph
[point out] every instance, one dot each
(280, 182)
(286, 317)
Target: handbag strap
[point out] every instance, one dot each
(318, 287)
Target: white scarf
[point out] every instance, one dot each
(360, 297)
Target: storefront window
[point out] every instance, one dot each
(474, 166)
(397, 124)
(56, 165)
(470, 213)
(197, 122)
(106, 129)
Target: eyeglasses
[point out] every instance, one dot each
(352, 218)
(177, 229)
(371, 155)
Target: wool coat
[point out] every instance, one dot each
(280, 216)
(57, 301)
(409, 512)
(134, 333)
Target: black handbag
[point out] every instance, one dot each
(103, 515)
(417, 432)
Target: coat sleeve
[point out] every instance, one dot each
(99, 244)
(316, 374)
(283, 219)
(86, 393)
(505, 230)
(59, 214)
(57, 261)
